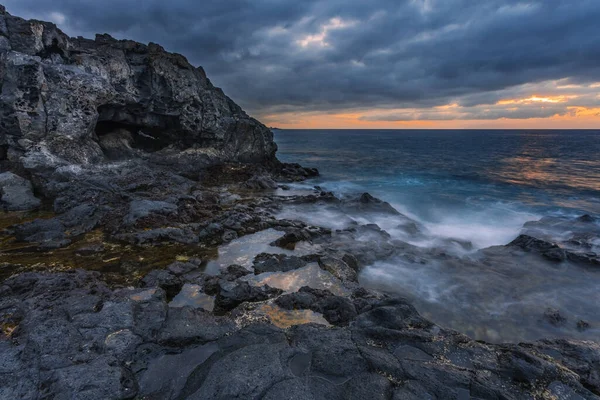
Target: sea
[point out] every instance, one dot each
(477, 186)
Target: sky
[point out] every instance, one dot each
(372, 63)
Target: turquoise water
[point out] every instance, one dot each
(475, 184)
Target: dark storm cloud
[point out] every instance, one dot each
(276, 55)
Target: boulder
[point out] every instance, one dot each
(265, 262)
(367, 203)
(232, 295)
(16, 193)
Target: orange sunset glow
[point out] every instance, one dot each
(577, 118)
(579, 109)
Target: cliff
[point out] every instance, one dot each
(78, 101)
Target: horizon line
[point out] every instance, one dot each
(433, 129)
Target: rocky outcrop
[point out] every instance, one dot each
(123, 137)
(68, 335)
(70, 100)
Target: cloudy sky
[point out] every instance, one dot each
(372, 63)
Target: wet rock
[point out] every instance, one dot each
(160, 235)
(139, 209)
(211, 231)
(82, 219)
(256, 369)
(234, 272)
(48, 233)
(555, 254)
(410, 228)
(185, 325)
(228, 236)
(589, 258)
(260, 183)
(583, 325)
(77, 338)
(90, 249)
(529, 243)
(122, 343)
(351, 261)
(289, 240)
(163, 279)
(265, 262)
(336, 310)
(232, 295)
(554, 317)
(296, 235)
(338, 268)
(57, 232)
(365, 203)
(296, 172)
(586, 219)
(551, 251)
(180, 268)
(166, 375)
(16, 193)
(211, 285)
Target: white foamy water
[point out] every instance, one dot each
(482, 288)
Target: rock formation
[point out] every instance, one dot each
(147, 165)
(78, 101)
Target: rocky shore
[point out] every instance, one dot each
(126, 173)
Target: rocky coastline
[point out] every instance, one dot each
(124, 171)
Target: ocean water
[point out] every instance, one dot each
(477, 186)
(481, 185)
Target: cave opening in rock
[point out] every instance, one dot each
(3, 152)
(121, 130)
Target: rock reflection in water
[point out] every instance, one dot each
(292, 281)
(286, 318)
(242, 251)
(192, 296)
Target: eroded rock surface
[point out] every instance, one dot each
(69, 336)
(74, 100)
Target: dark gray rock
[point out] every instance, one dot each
(338, 268)
(163, 279)
(336, 310)
(233, 294)
(75, 338)
(160, 235)
(367, 203)
(234, 272)
(139, 209)
(58, 231)
(260, 183)
(185, 325)
(554, 317)
(553, 252)
(583, 325)
(294, 236)
(16, 193)
(74, 100)
(265, 262)
(588, 219)
(166, 375)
